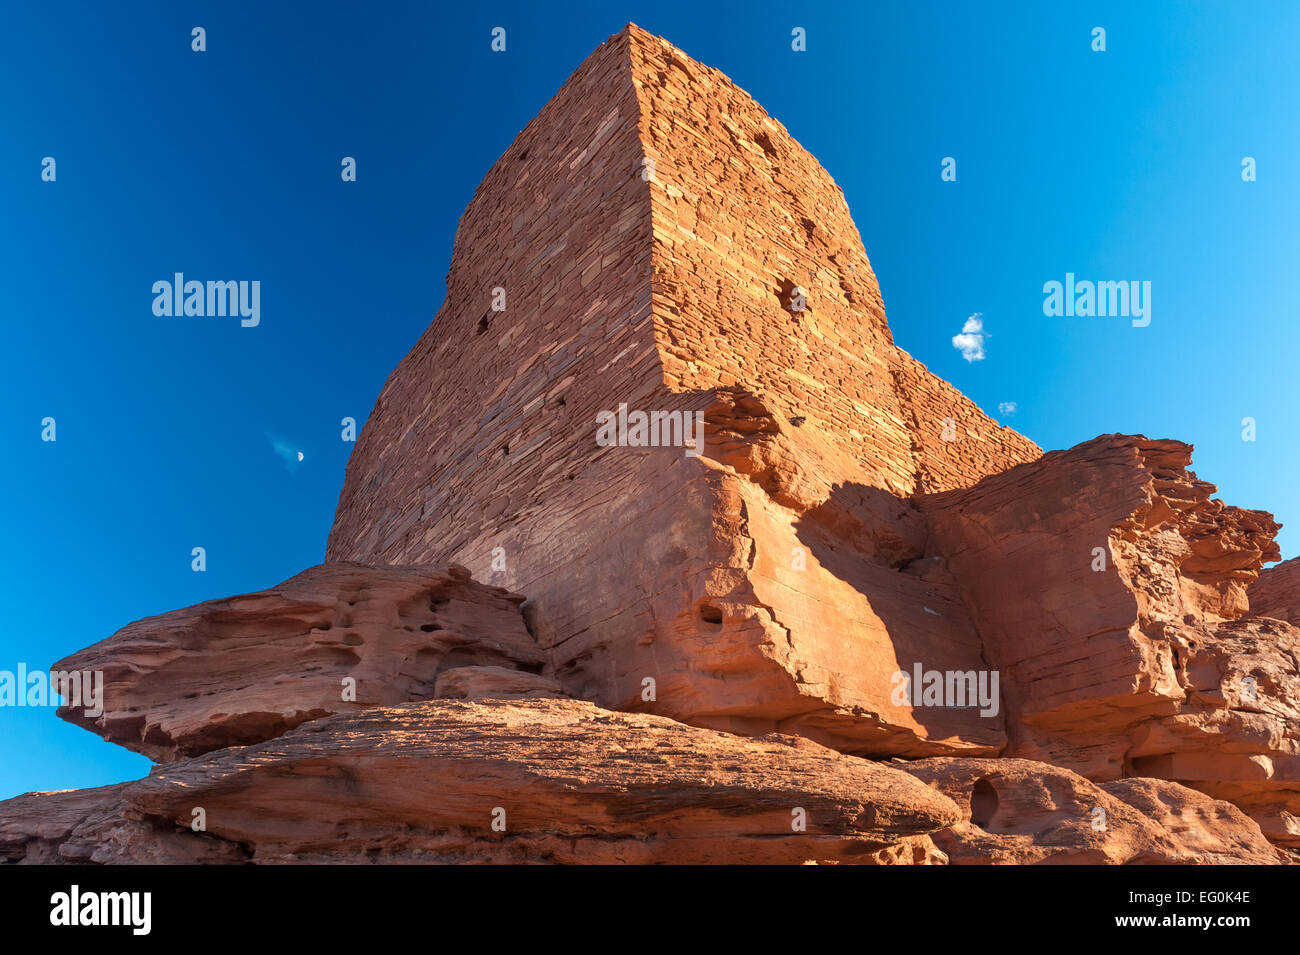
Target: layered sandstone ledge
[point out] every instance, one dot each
(494, 781)
(861, 623)
(335, 638)
(1277, 592)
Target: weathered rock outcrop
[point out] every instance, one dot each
(1236, 736)
(1020, 812)
(98, 826)
(1107, 586)
(333, 639)
(562, 780)
(1277, 592)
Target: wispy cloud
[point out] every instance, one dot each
(971, 340)
(1007, 408)
(288, 451)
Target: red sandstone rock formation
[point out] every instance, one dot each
(245, 669)
(1107, 585)
(1019, 812)
(1277, 592)
(1087, 573)
(1237, 734)
(424, 782)
(849, 520)
(96, 826)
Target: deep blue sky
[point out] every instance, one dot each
(225, 164)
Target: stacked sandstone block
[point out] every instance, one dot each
(650, 228)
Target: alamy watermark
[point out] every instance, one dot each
(207, 300)
(654, 429)
(132, 910)
(1102, 299)
(946, 688)
(79, 689)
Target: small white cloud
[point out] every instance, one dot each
(1007, 408)
(971, 340)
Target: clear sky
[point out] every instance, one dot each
(1123, 164)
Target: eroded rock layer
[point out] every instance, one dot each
(1277, 592)
(335, 638)
(1090, 573)
(495, 781)
(1108, 589)
(1020, 812)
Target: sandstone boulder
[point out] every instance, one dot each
(1021, 812)
(244, 669)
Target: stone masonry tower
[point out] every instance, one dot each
(665, 245)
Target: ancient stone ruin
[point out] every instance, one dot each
(656, 548)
